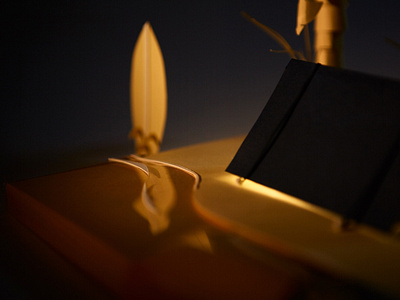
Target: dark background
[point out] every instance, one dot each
(66, 66)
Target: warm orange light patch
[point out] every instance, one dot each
(274, 194)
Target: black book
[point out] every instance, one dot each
(332, 138)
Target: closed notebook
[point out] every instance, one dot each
(330, 137)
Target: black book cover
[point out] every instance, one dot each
(330, 137)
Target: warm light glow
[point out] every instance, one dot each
(198, 239)
(157, 201)
(275, 194)
(148, 93)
